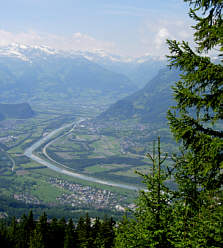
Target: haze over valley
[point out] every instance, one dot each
(43, 89)
(81, 104)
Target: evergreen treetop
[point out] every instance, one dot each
(196, 120)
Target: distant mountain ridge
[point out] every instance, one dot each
(100, 56)
(39, 74)
(149, 104)
(139, 70)
(17, 111)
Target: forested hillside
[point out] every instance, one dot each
(19, 111)
(57, 233)
(149, 104)
(43, 77)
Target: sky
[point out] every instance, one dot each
(131, 28)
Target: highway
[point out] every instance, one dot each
(63, 169)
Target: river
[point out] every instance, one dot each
(29, 153)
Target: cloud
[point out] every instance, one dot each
(151, 39)
(76, 41)
(161, 37)
(155, 32)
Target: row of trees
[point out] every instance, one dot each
(47, 233)
(191, 216)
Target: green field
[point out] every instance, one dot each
(110, 153)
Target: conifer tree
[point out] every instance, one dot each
(106, 232)
(36, 240)
(14, 232)
(196, 122)
(70, 237)
(153, 211)
(24, 235)
(4, 236)
(43, 228)
(84, 233)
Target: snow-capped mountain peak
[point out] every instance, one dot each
(30, 53)
(26, 52)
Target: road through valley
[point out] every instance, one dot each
(47, 140)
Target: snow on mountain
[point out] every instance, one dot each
(99, 55)
(29, 53)
(148, 57)
(12, 51)
(25, 52)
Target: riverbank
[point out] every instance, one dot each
(64, 169)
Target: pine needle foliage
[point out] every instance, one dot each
(196, 119)
(153, 210)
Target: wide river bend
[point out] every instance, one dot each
(29, 153)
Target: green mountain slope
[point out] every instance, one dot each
(138, 72)
(18, 111)
(145, 71)
(148, 104)
(58, 76)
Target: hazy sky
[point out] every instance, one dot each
(125, 27)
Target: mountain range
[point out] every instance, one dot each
(27, 72)
(149, 104)
(38, 74)
(138, 70)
